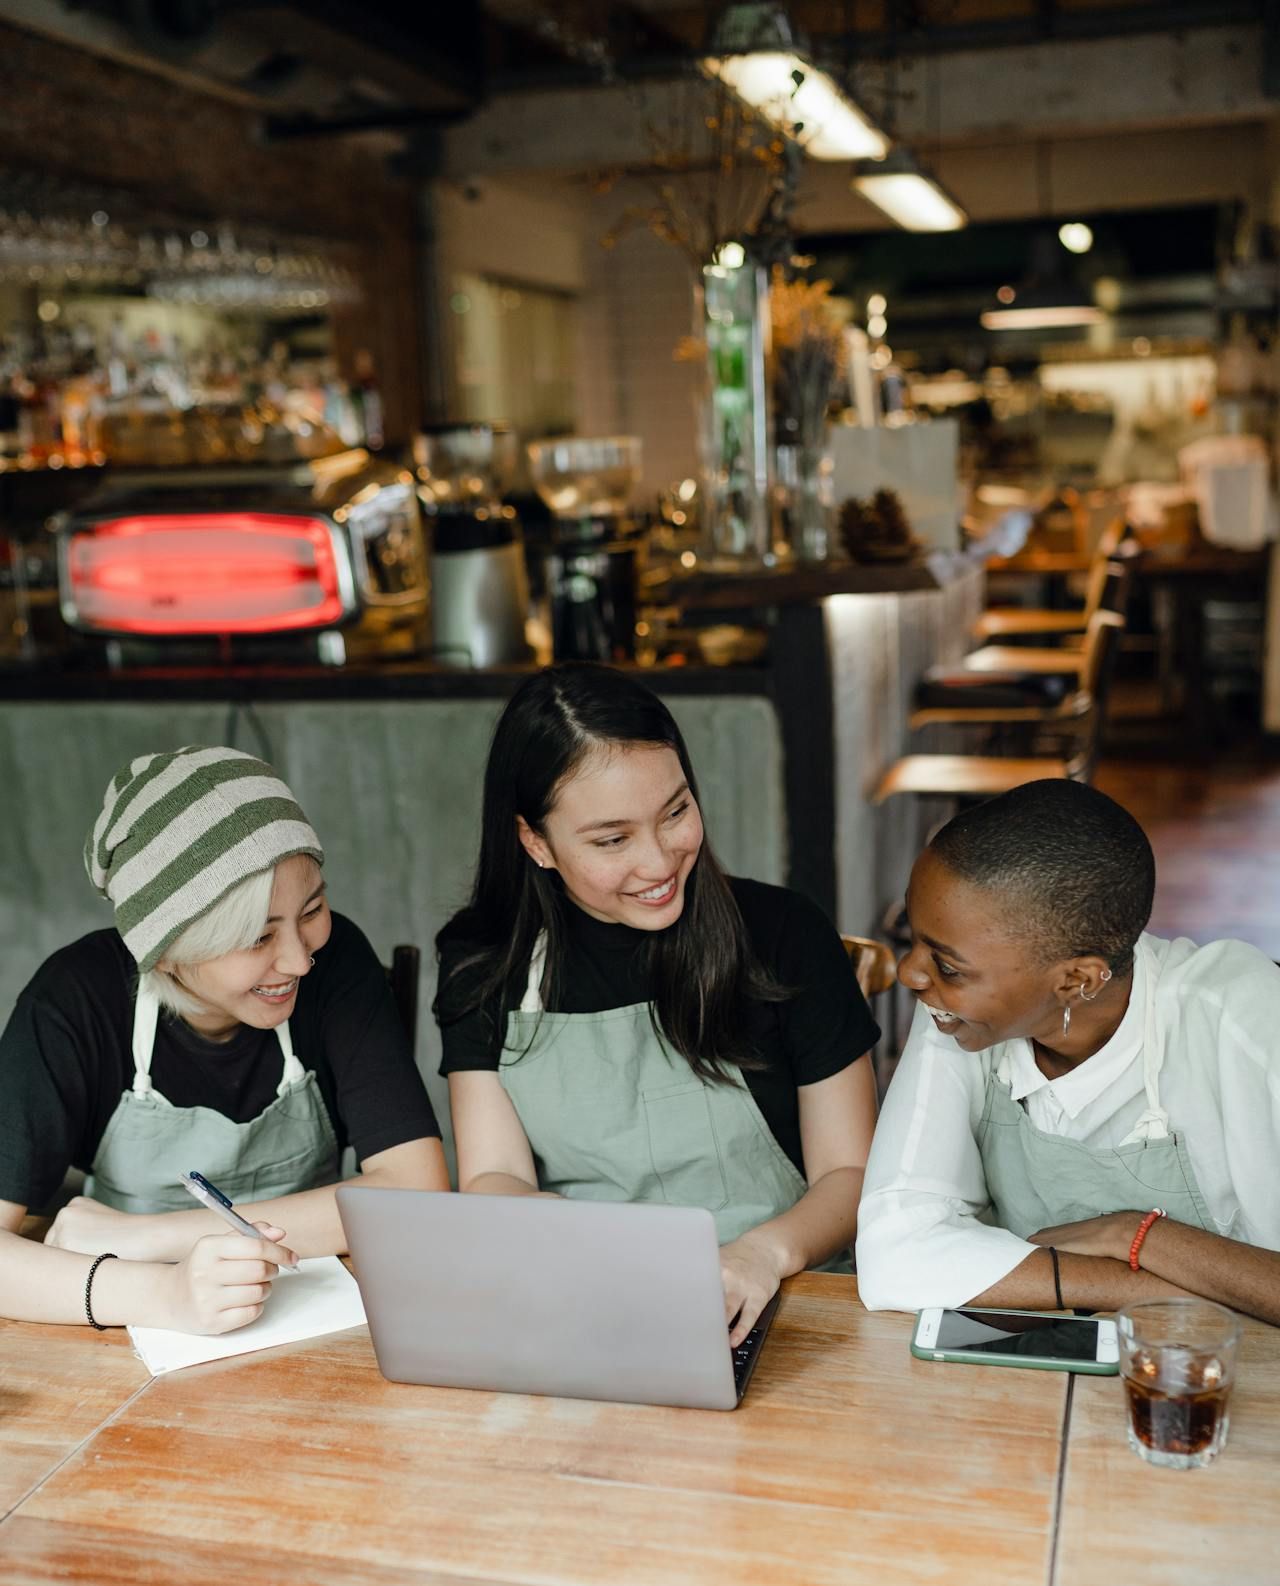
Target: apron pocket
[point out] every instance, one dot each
(683, 1147)
(303, 1170)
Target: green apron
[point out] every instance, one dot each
(612, 1113)
(148, 1141)
(1038, 1180)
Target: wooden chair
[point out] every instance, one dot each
(1091, 674)
(873, 963)
(1011, 621)
(402, 976)
(1078, 720)
(1067, 659)
(876, 967)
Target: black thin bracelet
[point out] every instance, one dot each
(107, 1255)
(1057, 1278)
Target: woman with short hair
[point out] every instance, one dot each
(622, 1021)
(230, 1024)
(1084, 1114)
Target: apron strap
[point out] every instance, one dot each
(1154, 1121)
(293, 1069)
(531, 1002)
(146, 1012)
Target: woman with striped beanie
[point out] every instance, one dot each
(168, 1044)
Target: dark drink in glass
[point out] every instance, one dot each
(1178, 1362)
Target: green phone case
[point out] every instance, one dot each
(1093, 1368)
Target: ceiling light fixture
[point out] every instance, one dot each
(755, 53)
(1048, 299)
(910, 196)
(1050, 315)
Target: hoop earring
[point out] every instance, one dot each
(313, 959)
(1066, 1018)
(1104, 977)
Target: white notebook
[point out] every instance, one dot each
(321, 1297)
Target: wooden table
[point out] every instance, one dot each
(1123, 1520)
(849, 1462)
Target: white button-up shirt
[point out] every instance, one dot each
(925, 1235)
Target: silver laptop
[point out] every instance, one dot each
(576, 1298)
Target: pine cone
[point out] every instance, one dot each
(877, 530)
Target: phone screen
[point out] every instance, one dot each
(1008, 1333)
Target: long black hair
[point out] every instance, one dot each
(702, 970)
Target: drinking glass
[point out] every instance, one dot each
(1178, 1360)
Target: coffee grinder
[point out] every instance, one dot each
(591, 562)
(479, 585)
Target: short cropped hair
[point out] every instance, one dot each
(235, 922)
(1075, 867)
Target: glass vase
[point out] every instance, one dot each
(805, 493)
(736, 464)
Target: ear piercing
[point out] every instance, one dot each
(1104, 977)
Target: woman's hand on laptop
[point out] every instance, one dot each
(751, 1271)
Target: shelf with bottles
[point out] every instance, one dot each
(142, 384)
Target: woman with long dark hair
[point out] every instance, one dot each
(623, 1021)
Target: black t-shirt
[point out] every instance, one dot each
(66, 1057)
(821, 1030)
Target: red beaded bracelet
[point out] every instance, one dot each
(1144, 1228)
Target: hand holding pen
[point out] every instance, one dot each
(211, 1197)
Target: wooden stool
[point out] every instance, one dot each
(1009, 621)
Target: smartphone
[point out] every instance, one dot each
(1043, 1341)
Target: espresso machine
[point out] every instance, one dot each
(479, 586)
(591, 561)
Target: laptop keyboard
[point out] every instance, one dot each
(748, 1351)
(744, 1358)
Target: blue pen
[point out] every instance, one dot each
(210, 1196)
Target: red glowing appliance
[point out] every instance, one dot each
(170, 574)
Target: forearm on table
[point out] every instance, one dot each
(41, 1284)
(820, 1224)
(1094, 1283)
(310, 1218)
(1245, 1277)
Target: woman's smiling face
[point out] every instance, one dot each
(624, 833)
(975, 972)
(258, 985)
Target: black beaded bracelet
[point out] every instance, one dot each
(1057, 1278)
(107, 1255)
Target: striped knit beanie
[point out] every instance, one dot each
(177, 831)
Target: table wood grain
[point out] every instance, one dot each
(57, 1387)
(1125, 1520)
(848, 1462)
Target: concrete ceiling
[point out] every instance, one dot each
(332, 59)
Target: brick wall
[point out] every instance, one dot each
(80, 119)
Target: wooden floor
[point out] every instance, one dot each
(1214, 822)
